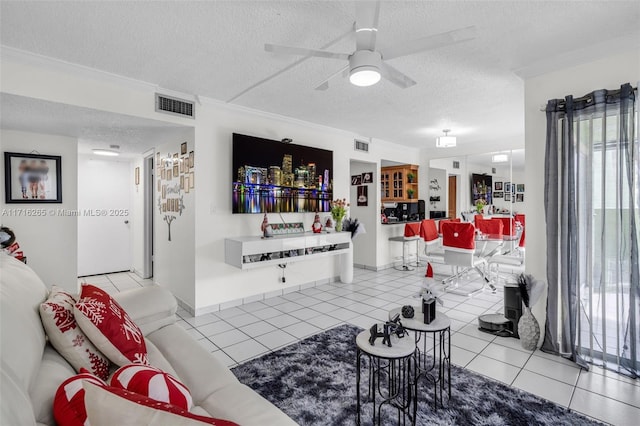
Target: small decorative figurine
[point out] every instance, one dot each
(328, 223)
(265, 228)
(317, 226)
(393, 326)
(407, 311)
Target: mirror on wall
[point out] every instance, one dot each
(458, 186)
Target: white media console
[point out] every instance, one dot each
(256, 252)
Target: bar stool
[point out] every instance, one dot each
(411, 233)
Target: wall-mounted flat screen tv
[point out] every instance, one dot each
(271, 176)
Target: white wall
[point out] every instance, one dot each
(364, 246)
(174, 264)
(219, 283)
(437, 187)
(604, 73)
(48, 241)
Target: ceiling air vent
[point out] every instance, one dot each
(360, 145)
(174, 106)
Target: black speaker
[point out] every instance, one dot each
(421, 210)
(512, 306)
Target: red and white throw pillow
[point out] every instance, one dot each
(68, 404)
(109, 327)
(67, 338)
(112, 406)
(154, 383)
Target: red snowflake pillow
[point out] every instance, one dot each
(113, 406)
(154, 383)
(109, 327)
(67, 338)
(68, 404)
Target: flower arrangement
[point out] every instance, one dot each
(338, 212)
(480, 205)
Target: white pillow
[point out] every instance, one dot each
(66, 336)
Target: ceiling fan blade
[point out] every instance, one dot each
(367, 15)
(430, 42)
(396, 77)
(344, 71)
(302, 51)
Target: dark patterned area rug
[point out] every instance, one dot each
(313, 381)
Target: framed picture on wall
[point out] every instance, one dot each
(191, 159)
(367, 177)
(497, 186)
(363, 196)
(513, 188)
(519, 198)
(507, 187)
(356, 179)
(520, 187)
(507, 196)
(183, 148)
(498, 195)
(32, 178)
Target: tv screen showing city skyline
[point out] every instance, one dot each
(271, 176)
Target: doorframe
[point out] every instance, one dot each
(149, 196)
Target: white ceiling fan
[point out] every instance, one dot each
(366, 64)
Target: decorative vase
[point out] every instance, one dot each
(529, 330)
(338, 226)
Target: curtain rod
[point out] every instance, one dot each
(587, 98)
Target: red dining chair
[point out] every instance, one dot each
(444, 221)
(520, 218)
(477, 218)
(513, 257)
(458, 241)
(432, 246)
(490, 227)
(411, 233)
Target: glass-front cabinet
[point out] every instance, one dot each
(399, 183)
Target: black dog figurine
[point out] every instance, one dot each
(393, 326)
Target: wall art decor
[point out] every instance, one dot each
(507, 196)
(520, 198)
(497, 186)
(174, 181)
(363, 196)
(32, 178)
(481, 189)
(270, 176)
(520, 187)
(367, 177)
(498, 194)
(507, 187)
(356, 180)
(137, 173)
(191, 159)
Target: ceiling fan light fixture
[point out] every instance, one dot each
(364, 76)
(446, 141)
(364, 68)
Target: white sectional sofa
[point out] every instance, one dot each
(31, 370)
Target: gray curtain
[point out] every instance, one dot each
(592, 187)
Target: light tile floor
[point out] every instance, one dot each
(241, 333)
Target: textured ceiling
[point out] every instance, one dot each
(93, 128)
(216, 49)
